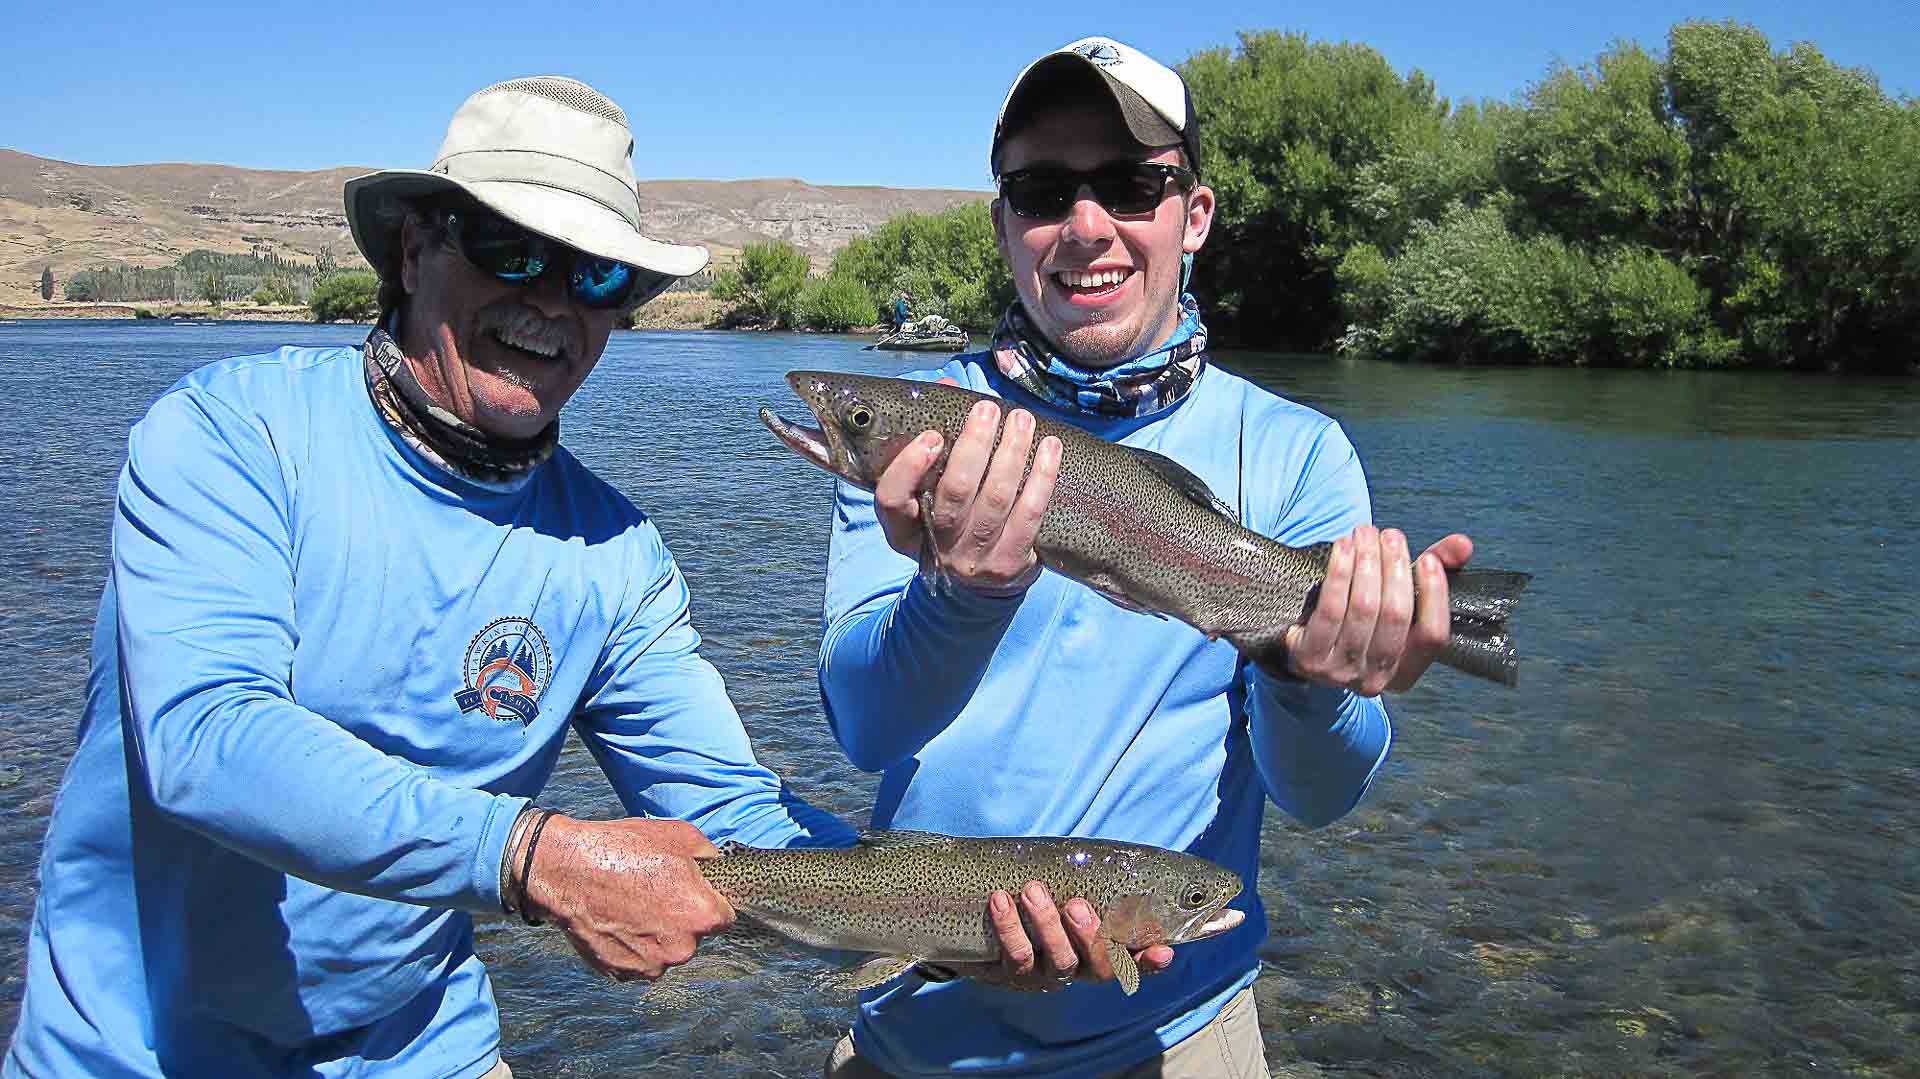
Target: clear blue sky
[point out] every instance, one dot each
(895, 93)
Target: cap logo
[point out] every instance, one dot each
(1103, 53)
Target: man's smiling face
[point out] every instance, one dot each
(1103, 288)
(502, 356)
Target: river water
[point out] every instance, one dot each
(1685, 846)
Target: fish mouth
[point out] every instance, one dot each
(821, 444)
(1226, 919)
(808, 442)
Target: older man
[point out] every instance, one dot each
(1025, 703)
(357, 597)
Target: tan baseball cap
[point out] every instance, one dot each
(549, 153)
(1152, 98)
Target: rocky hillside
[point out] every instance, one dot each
(73, 217)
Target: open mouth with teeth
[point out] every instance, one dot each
(1227, 918)
(1091, 283)
(535, 345)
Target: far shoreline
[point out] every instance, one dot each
(672, 311)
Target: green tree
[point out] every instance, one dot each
(276, 289)
(213, 288)
(761, 287)
(1804, 213)
(948, 260)
(46, 283)
(353, 295)
(1467, 289)
(325, 265)
(1290, 124)
(1596, 154)
(1725, 205)
(835, 302)
(1429, 163)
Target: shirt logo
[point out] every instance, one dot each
(506, 670)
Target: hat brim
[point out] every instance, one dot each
(376, 205)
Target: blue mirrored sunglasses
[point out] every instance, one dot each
(520, 256)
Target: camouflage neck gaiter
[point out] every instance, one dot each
(1142, 385)
(493, 462)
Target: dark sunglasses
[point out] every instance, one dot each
(1124, 188)
(519, 256)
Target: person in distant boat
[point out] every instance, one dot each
(902, 310)
(1017, 702)
(357, 598)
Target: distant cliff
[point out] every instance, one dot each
(73, 217)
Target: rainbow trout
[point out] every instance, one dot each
(1133, 525)
(919, 899)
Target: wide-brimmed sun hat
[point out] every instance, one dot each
(1152, 98)
(549, 153)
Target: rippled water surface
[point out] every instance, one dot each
(1684, 847)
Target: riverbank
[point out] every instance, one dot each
(673, 311)
(158, 311)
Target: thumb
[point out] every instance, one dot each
(1293, 638)
(1453, 551)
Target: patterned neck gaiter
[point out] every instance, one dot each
(499, 464)
(1140, 386)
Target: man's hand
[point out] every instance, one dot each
(626, 892)
(1070, 947)
(983, 518)
(1368, 633)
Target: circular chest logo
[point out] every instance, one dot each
(506, 670)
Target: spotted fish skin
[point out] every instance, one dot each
(1132, 524)
(924, 895)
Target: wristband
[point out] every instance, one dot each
(514, 832)
(526, 867)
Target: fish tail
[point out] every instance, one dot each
(1484, 595)
(1480, 601)
(1484, 652)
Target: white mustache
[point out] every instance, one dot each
(522, 327)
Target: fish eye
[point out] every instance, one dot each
(1196, 898)
(860, 417)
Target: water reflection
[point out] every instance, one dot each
(1685, 403)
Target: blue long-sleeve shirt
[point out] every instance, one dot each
(327, 675)
(1055, 712)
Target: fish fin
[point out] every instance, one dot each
(1115, 595)
(1124, 968)
(881, 838)
(1484, 651)
(929, 558)
(1176, 474)
(874, 972)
